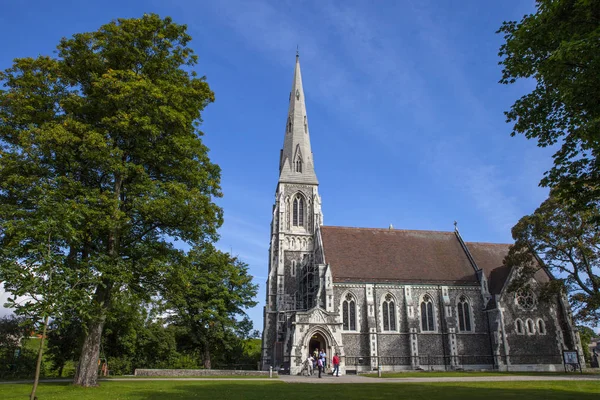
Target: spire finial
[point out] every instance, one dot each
(297, 52)
(455, 226)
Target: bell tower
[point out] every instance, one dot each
(296, 216)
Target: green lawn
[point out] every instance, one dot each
(273, 390)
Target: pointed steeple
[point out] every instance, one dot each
(296, 161)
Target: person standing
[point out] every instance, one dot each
(315, 357)
(323, 355)
(336, 365)
(309, 365)
(320, 365)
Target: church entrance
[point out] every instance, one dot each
(317, 341)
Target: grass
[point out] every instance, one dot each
(180, 390)
(438, 374)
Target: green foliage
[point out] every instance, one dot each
(586, 334)
(559, 47)
(208, 298)
(101, 168)
(568, 244)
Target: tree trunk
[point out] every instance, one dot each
(87, 368)
(38, 366)
(206, 358)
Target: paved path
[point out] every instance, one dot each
(499, 378)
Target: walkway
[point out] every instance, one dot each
(364, 379)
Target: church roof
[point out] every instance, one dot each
(393, 255)
(490, 258)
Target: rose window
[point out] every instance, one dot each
(526, 299)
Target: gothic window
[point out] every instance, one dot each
(299, 165)
(389, 313)
(289, 124)
(541, 327)
(530, 327)
(349, 313)
(298, 211)
(305, 125)
(464, 315)
(293, 268)
(525, 299)
(519, 327)
(427, 314)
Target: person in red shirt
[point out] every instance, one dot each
(336, 365)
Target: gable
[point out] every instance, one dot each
(392, 255)
(490, 258)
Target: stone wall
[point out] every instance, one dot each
(199, 372)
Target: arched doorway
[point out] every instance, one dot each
(317, 341)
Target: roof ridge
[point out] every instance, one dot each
(385, 229)
(495, 244)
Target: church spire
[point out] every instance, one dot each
(296, 162)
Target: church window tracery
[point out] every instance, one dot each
(298, 211)
(349, 313)
(427, 319)
(464, 315)
(389, 313)
(525, 299)
(299, 165)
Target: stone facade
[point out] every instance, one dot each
(399, 300)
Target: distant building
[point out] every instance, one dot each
(402, 299)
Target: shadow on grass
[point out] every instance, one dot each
(387, 391)
(275, 390)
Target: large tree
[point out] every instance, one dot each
(558, 47)
(209, 298)
(105, 138)
(568, 244)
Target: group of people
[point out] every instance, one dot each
(318, 359)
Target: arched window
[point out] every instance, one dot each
(299, 165)
(427, 314)
(530, 327)
(464, 315)
(519, 327)
(298, 211)
(289, 124)
(349, 313)
(541, 327)
(389, 313)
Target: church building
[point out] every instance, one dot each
(399, 299)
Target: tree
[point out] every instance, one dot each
(586, 334)
(105, 137)
(568, 244)
(559, 47)
(12, 330)
(209, 297)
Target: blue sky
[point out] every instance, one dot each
(405, 112)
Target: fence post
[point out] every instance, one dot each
(270, 371)
(379, 370)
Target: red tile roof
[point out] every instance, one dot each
(392, 255)
(489, 257)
